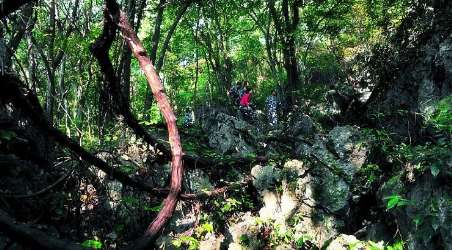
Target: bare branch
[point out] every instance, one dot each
(37, 239)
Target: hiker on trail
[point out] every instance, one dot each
(189, 117)
(272, 104)
(243, 89)
(245, 99)
(234, 93)
(245, 102)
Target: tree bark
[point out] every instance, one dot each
(123, 72)
(170, 33)
(155, 39)
(286, 32)
(114, 16)
(21, 26)
(24, 99)
(165, 107)
(155, 44)
(35, 238)
(9, 6)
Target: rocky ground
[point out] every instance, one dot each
(301, 185)
(333, 175)
(329, 189)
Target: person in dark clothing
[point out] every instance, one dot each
(272, 104)
(234, 93)
(243, 89)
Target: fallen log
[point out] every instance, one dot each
(25, 234)
(16, 92)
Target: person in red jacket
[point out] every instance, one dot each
(245, 107)
(246, 98)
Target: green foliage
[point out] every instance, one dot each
(220, 209)
(128, 169)
(154, 208)
(427, 156)
(119, 228)
(302, 241)
(7, 135)
(229, 205)
(93, 244)
(380, 138)
(371, 172)
(233, 204)
(399, 245)
(203, 229)
(431, 156)
(442, 117)
(282, 235)
(132, 202)
(154, 116)
(244, 240)
(189, 241)
(395, 201)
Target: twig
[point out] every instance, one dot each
(35, 238)
(40, 192)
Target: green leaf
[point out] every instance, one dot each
(434, 169)
(395, 201)
(208, 227)
(7, 135)
(192, 243)
(154, 209)
(92, 244)
(418, 221)
(396, 246)
(392, 202)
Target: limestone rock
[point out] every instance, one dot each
(429, 219)
(159, 175)
(183, 219)
(319, 228)
(114, 191)
(296, 167)
(302, 126)
(333, 192)
(197, 181)
(426, 44)
(228, 134)
(211, 243)
(247, 228)
(345, 242)
(165, 242)
(265, 177)
(284, 247)
(346, 143)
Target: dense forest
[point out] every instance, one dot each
(208, 124)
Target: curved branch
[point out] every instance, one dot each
(165, 107)
(15, 91)
(9, 6)
(42, 191)
(180, 13)
(217, 191)
(115, 18)
(25, 234)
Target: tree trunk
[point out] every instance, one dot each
(165, 107)
(9, 6)
(286, 32)
(155, 44)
